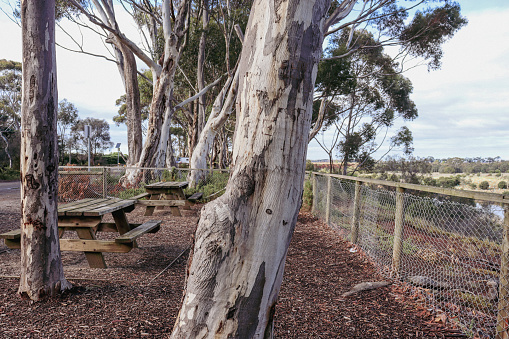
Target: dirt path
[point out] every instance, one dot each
(128, 300)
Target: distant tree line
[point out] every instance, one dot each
(72, 144)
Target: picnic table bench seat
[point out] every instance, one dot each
(140, 196)
(12, 239)
(151, 226)
(196, 196)
(11, 235)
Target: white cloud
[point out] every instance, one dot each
(464, 107)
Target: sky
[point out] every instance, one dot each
(463, 107)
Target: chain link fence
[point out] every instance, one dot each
(77, 183)
(448, 248)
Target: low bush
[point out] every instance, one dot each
(502, 184)
(9, 174)
(307, 197)
(484, 185)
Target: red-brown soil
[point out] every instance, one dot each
(136, 297)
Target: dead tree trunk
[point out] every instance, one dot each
(41, 266)
(242, 237)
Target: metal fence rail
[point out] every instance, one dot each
(449, 248)
(125, 182)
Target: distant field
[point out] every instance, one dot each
(491, 178)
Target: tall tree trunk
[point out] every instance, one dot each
(128, 71)
(6, 149)
(242, 237)
(42, 273)
(220, 112)
(200, 71)
(161, 108)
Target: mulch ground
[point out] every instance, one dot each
(139, 294)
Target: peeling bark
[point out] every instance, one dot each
(242, 237)
(128, 72)
(221, 110)
(42, 273)
(161, 107)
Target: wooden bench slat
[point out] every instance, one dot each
(81, 245)
(62, 209)
(112, 227)
(13, 244)
(109, 206)
(171, 203)
(130, 236)
(11, 235)
(140, 196)
(195, 196)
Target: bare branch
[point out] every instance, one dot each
(197, 95)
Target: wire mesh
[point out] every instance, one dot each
(450, 251)
(77, 183)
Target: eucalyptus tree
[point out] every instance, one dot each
(376, 98)
(237, 264)
(373, 92)
(173, 23)
(242, 237)
(10, 106)
(230, 20)
(100, 138)
(42, 273)
(67, 117)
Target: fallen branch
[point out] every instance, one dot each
(365, 286)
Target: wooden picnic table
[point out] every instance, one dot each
(164, 193)
(85, 217)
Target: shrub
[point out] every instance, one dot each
(422, 209)
(484, 185)
(448, 182)
(308, 194)
(429, 181)
(473, 186)
(394, 178)
(9, 174)
(309, 166)
(502, 184)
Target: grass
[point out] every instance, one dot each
(9, 174)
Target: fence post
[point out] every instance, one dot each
(356, 212)
(327, 206)
(503, 292)
(398, 232)
(105, 184)
(315, 189)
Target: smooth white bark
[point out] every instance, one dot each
(42, 273)
(242, 237)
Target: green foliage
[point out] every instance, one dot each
(9, 174)
(309, 165)
(307, 197)
(429, 29)
(212, 187)
(99, 136)
(502, 184)
(484, 185)
(422, 209)
(394, 178)
(429, 181)
(146, 92)
(448, 182)
(10, 112)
